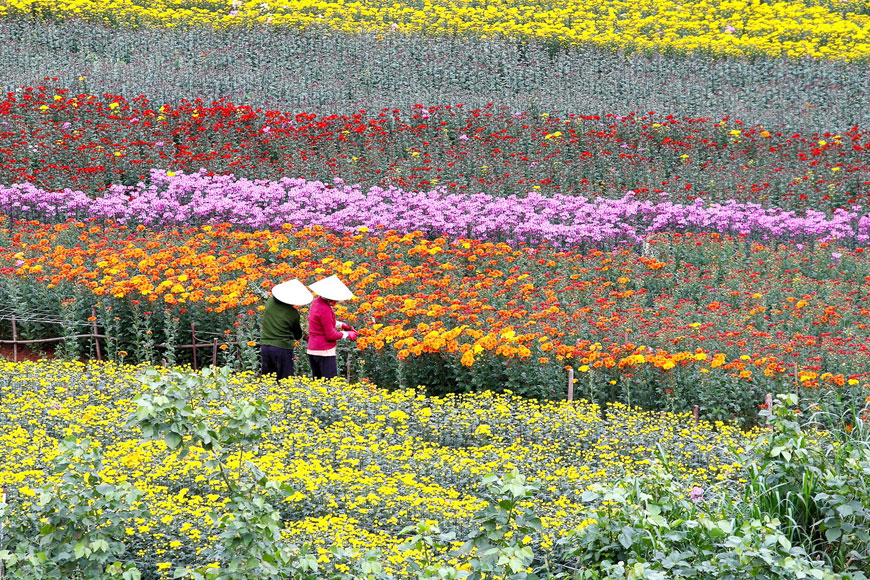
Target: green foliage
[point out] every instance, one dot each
(505, 528)
(816, 483)
(249, 543)
(173, 410)
(648, 528)
(74, 528)
(499, 545)
(428, 541)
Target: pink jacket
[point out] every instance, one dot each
(322, 334)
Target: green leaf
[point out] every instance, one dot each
(845, 510)
(80, 550)
(173, 440)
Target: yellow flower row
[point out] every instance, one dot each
(820, 28)
(363, 462)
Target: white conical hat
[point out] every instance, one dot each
(332, 289)
(292, 292)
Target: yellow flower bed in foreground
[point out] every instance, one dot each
(821, 28)
(364, 462)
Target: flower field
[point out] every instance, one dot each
(358, 465)
(796, 29)
(696, 324)
(57, 139)
(364, 463)
(610, 271)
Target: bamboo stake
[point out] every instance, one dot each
(570, 385)
(14, 341)
(94, 324)
(193, 342)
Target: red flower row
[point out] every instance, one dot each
(57, 139)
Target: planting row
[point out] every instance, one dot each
(57, 139)
(562, 221)
(824, 29)
(229, 476)
(364, 463)
(701, 319)
(308, 71)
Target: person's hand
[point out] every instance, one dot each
(351, 335)
(346, 326)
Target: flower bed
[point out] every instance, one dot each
(364, 462)
(329, 74)
(85, 142)
(562, 221)
(171, 470)
(800, 29)
(700, 320)
(56, 140)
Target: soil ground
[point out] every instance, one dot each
(24, 353)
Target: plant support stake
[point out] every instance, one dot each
(14, 341)
(570, 385)
(94, 325)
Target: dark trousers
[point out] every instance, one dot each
(323, 367)
(277, 360)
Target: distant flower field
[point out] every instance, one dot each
(829, 29)
(304, 71)
(57, 139)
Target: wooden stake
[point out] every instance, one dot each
(94, 325)
(193, 343)
(695, 412)
(214, 349)
(768, 402)
(570, 385)
(14, 341)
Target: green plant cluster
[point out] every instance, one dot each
(804, 514)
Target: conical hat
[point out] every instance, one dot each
(332, 289)
(292, 292)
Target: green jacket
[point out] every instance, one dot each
(280, 324)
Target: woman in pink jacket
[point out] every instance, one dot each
(324, 331)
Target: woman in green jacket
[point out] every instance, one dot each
(281, 327)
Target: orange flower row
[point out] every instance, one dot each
(609, 311)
